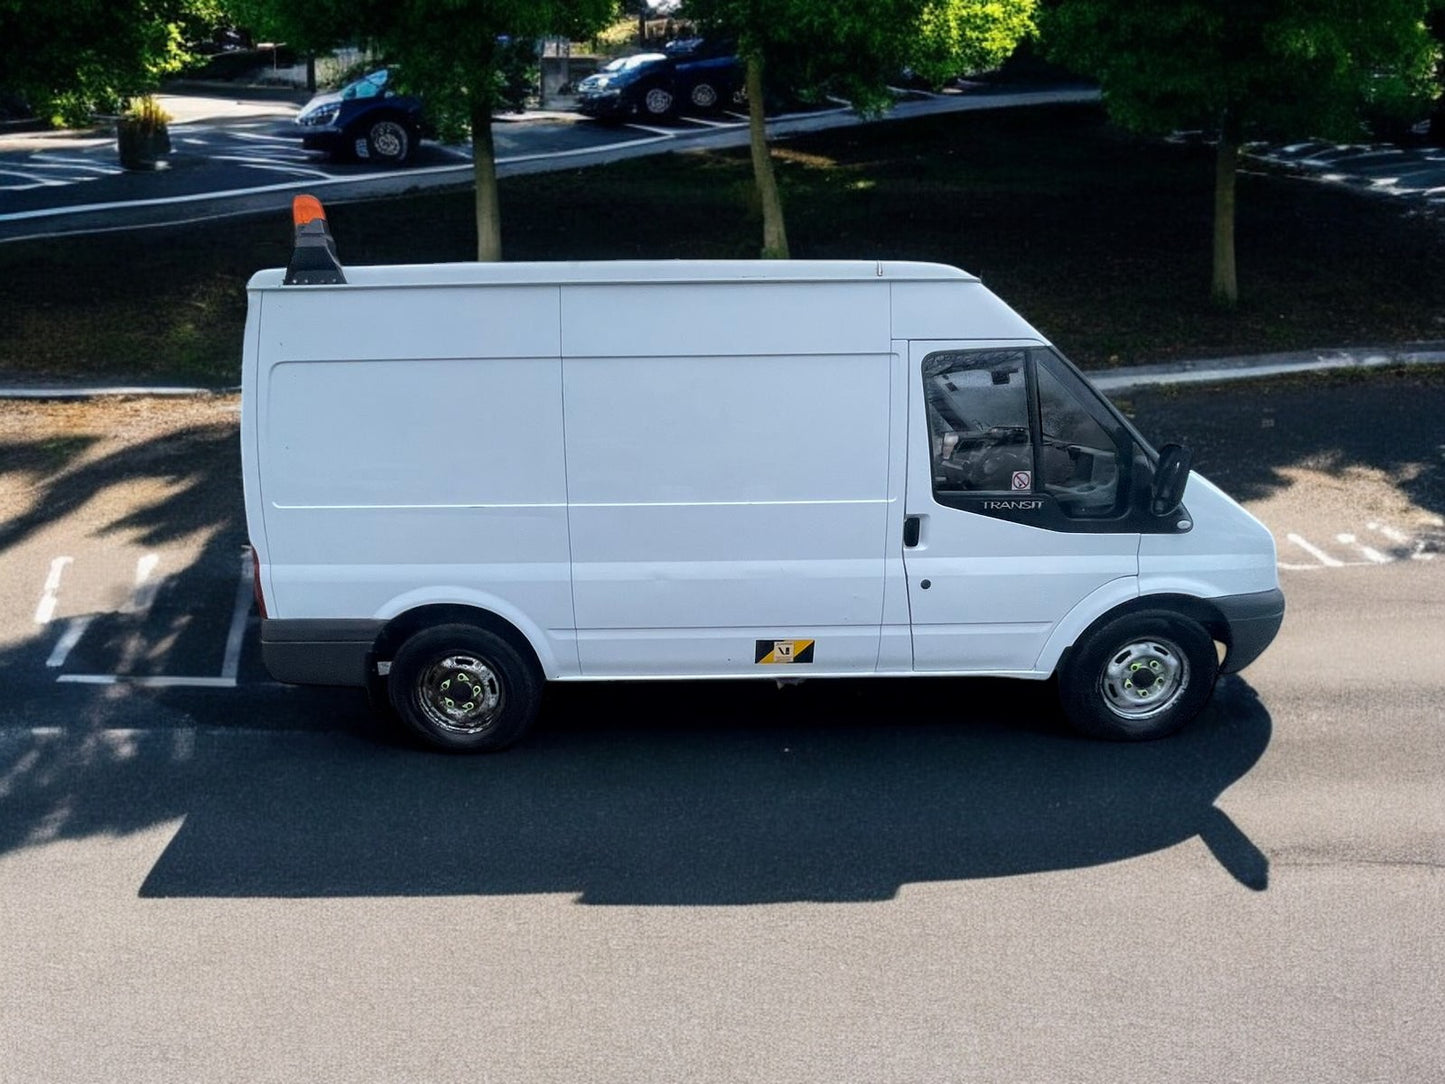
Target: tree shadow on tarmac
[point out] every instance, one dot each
(708, 794)
(1243, 437)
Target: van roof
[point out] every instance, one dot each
(629, 271)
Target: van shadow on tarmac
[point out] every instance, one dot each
(716, 794)
(721, 793)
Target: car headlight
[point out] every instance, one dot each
(321, 115)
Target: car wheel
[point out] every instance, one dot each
(704, 96)
(1138, 677)
(658, 102)
(464, 689)
(389, 142)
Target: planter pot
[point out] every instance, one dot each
(142, 146)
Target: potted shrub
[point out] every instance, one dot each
(142, 136)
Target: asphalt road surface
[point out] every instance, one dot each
(207, 876)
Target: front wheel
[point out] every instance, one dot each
(657, 102)
(464, 689)
(1138, 677)
(389, 142)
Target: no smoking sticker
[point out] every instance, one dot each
(1023, 479)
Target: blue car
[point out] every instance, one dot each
(367, 120)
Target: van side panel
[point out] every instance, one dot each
(721, 500)
(390, 480)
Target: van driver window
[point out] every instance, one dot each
(978, 421)
(1079, 459)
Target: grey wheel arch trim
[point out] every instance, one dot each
(1252, 621)
(1245, 624)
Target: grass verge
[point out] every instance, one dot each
(1100, 239)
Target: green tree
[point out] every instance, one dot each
(851, 48)
(956, 37)
(72, 58)
(455, 54)
(1245, 69)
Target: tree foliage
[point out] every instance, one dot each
(956, 37)
(1246, 69)
(1283, 67)
(72, 58)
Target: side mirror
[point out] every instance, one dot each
(1170, 477)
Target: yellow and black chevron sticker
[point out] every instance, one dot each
(777, 652)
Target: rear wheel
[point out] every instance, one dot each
(464, 689)
(657, 102)
(704, 96)
(1139, 676)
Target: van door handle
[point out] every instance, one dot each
(910, 530)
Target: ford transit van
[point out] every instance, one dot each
(465, 480)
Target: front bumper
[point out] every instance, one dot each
(1252, 620)
(318, 652)
(318, 137)
(605, 105)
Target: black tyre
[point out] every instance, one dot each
(389, 142)
(657, 102)
(1138, 677)
(464, 689)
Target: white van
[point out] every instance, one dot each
(463, 480)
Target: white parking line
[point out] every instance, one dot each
(79, 164)
(1314, 551)
(1396, 536)
(74, 630)
(154, 681)
(143, 595)
(239, 613)
(49, 596)
(1368, 552)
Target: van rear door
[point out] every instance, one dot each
(1018, 503)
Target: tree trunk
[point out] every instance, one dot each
(1225, 290)
(484, 170)
(775, 236)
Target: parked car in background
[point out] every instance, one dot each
(690, 75)
(627, 87)
(707, 75)
(366, 119)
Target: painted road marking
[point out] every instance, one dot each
(153, 681)
(1369, 553)
(239, 613)
(1314, 551)
(1395, 535)
(143, 595)
(49, 595)
(1402, 544)
(74, 630)
(1421, 549)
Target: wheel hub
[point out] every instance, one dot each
(389, 140)
(1144, 678)
(460, 693)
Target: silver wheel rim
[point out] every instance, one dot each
(1144, 678)
(658, 100)
(388, 139)
(703, 96)
(460, 694)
